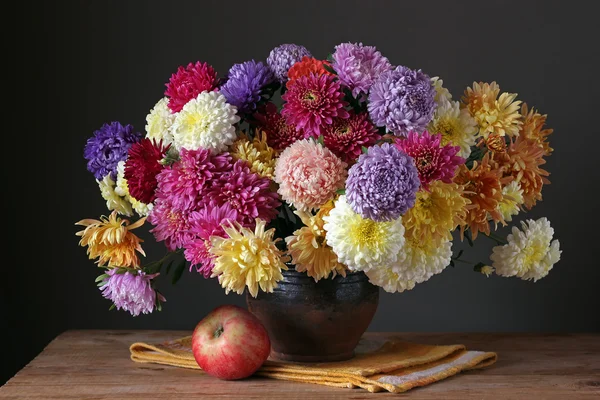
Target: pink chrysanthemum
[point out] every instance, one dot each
(346, 137)
(309, 174)
(187, 180)
(433, 161)
(206, 223)
(280, 134)
(313, 101)
(189, 82)
(171, 223)
(247, 193)
(142, 167)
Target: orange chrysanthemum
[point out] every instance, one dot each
(111, 241)
(494, 115)
(483, 188)
(521, 163)
(533, 128)
(307, 66)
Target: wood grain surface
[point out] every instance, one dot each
(96, 365)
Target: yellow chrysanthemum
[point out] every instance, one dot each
(436, 213)
(247, 258)
(257, 153)
(512, 199)
(499, 115)
(456, 126)
(111, 241)
(309, 250)
(113, 197)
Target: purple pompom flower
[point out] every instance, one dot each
(131, 291)
(402, 100)
(107, 147)
(358, 66)
(244, 85)
(383, 184)
(282, 58)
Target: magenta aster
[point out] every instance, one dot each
(433, 161)
(141, 168)
(313, 101)
(206, 223)
(346, 137)
(280, 134)
(187, 180)
(189, 82)
(171, 223)
(247, 193)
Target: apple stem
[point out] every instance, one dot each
(218, 332)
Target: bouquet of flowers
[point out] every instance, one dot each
(326, 166)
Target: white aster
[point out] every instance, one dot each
(389, 280)
(441, 93)
(512, 198)
(159, 122)
(456, 126)
(361, 243)
(206, 121)
(530, 253)
(421, 259)
(113, 200)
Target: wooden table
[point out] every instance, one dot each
(96, 365)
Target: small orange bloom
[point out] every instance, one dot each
(533, 128)
(306, 66)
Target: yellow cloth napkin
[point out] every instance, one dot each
(382, 362)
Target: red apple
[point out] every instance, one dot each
(230, 343)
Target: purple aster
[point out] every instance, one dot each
(107, 147)
(131, 292)
(358, 66)
(402, 100)
(282, 58)
(244, 85)
(383, 184)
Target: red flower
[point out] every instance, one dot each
(141, 168)
(307, 66)
(280, 134)
(346, 137)
(187, 83)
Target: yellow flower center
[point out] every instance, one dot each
(533, 254)
(367, 232)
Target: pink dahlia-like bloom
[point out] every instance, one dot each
(247, 193)
(280, 134)
(346, 137)
(309, 174)
(433, 161)
(171, 223)
(313, 101)
(186, 181)
(187, 83)
(207, 222)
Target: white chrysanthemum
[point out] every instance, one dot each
(512, 198)
(389, 280)
(361, 243)
(159, 122)
(456, 126)
(421, 259)
(530, 253)
(113, 200)
(206, 121)
(122, 190)
(441, 93)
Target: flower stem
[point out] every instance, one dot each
(497, 238)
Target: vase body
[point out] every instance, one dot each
(312, 321)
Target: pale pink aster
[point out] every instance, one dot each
(187, 180)
(309, 174)
(171, 223)
(247, 193)
(207, 222)
(433, 161)
(313, 101)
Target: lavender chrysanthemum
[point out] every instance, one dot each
(130, 291)
(402, 100)
(107, 147)
(282, 58)
(244, 84)
(358, 66)
(383, 184)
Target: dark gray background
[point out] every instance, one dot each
(87, 64)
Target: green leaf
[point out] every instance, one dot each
(112, 307)
(468, 236)
(178, 271)
(477, 267)
(329, 69)
(459, 254)
(169, 265)
(341, 192)
(452, 263)
(158, 305)
(101, 277)
(321, 140)
(364, 149)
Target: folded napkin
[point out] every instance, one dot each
(381, 363)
